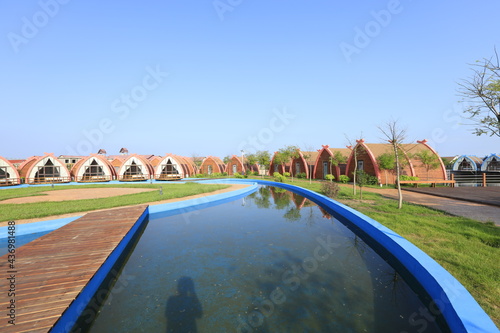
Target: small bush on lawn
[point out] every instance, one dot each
(301, 175)
(237, 175)
(371, 180)
(405, 177)
(329, 177)
(286, 174)
(279, 177)
(330, 189)
(344, 179)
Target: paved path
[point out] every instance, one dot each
(473, 210)
(484, 195)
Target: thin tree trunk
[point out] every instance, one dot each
(354, 174)
(400, 193)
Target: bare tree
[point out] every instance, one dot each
(307, 154)
(197, 159)
(356, 150)
(482, 94)
(395, 136)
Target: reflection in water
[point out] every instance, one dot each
(282, 197)
(184, 308)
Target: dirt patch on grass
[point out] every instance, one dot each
(76, 194)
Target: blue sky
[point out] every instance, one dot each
(214, 77)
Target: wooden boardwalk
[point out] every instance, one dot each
(52, 270)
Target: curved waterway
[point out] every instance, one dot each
(270, 262)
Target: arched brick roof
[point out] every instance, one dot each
(215, 162)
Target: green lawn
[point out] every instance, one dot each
(42, 209)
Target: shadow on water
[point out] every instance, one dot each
(184, 308)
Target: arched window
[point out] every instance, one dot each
(169, 168)
(93, 170)
(493, 165)
(465, 165)
(133, 169)
(3, 173)
(49, 170)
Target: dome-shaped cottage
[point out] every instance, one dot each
(94, 168)
(491, 163)
(135, 168)
(173, 167)
(45, 169)
(8, 173)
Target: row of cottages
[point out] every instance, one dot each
(49, 169)
(366, 159)
(469, 164)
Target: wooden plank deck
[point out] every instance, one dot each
(53, 269)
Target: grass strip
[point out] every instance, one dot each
(42, 209)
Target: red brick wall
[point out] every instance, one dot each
(211, 162)
(234, 161)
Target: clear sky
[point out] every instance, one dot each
(213, 77)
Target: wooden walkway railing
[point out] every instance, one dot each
(50, 272)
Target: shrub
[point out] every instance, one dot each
(237, 175)
(330, 189)
(344, 179)
(216, 174)
(286, 174)
(329, 177)
(279, 177)
(371, 180)
(405, 177)
(301, 175)
(224, 173)
(199, 175)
